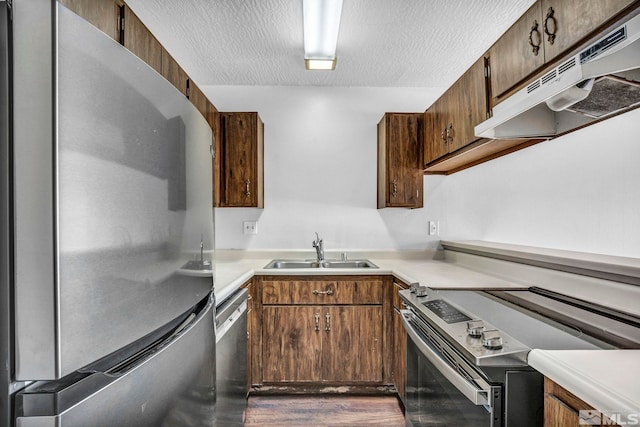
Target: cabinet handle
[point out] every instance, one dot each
(450, 133)
(551, 34)
(327, 292)
(327, 318)
(317, 317)
(247, 192)
(394, 193)
(534, 46)
(444, 135)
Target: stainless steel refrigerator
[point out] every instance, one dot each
(106, 226)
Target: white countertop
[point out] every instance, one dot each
(608, 380)
(232, 273)
(605, 379)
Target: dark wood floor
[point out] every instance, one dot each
(352, 411)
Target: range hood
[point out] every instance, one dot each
(601, 80)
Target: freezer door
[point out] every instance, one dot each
(113, 195)
(170, 386)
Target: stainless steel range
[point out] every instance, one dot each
(467, 351)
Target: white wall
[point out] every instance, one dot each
(578, 192)
(320, 172)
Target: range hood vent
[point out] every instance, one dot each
(601, 80)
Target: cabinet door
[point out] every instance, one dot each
(173, 72)
(251, 329)
(352, 347)
(213, 117)
(468, 105)
(572, 21)
(140, 41)
(242, 160)
(198, 99)
(292, 343)
(558, 414)
(404, 172)
(436, 121)
(400, 362)
(103, 14)
(512, 57)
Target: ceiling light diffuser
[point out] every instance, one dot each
(321, 26)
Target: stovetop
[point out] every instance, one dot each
(506, 324)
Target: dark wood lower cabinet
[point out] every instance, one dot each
(558, 414)
(322, 330)
(291, 345)
(399, 341)
(334, 344)
(400, 354)
(352, 344)
(562, 409)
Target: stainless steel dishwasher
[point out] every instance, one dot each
(231, 360)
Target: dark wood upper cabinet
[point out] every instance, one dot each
(515, 56)
(241, 161)
(118, 21)
(198, 99)
(172, 71)
(450, 121)
(400, 181)
(103, 14)
(572, 21)
(213, 117)
(547, 30)
(139, 40)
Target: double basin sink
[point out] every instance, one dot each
(286, 263)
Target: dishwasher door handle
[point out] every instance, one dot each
(231, 320)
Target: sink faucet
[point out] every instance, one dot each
(317, 244)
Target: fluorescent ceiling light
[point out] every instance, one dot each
(320, 64)
(321, 26)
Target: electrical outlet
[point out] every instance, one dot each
(250, 227)
(434, 228)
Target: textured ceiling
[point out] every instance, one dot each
(382, 43)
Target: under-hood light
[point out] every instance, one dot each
(321, 26)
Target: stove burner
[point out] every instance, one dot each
(445, 311)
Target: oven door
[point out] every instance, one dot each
(443, 389)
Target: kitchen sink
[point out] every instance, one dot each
(285, 263)
(358, 263)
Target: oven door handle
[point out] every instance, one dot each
(476, 395)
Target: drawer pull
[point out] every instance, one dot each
(327, 292)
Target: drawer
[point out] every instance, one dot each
(319, 292)
(397, 287)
